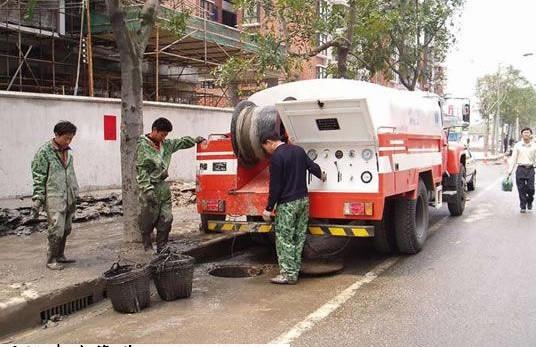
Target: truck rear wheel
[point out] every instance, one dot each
(384, 234)
(206, 217)
(457, 205)
(411, 221)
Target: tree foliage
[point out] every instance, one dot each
(402, 37)
(509, 90)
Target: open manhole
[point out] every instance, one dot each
(235, 271)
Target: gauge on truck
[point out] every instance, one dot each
(338, 154)
(366, 154)
(312, 154)
(366, 177)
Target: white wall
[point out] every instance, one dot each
(27, 121)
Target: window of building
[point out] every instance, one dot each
(208, 84)
(229, 19)
(209, 7)
(321, 71)
(252, 15)
(323, 9)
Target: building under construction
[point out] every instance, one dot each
(67, 47)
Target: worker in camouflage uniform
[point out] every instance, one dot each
(56, 190)
(153, 159)
(288, 190)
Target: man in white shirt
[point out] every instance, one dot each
(524, 157)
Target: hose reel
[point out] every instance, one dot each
(248, 123)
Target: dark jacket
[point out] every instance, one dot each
(288, 173)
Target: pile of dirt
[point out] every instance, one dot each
(20, 222)
(183, 194)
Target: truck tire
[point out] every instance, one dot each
(384, 234)
(206, 217)
(457, 205)
(411, 221)
(471, 185)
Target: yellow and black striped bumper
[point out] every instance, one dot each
(317, 229)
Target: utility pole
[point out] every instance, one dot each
(89, 52)
(497, 122)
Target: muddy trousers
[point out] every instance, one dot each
(60, 220)
(156, 215)
(525, 185)
(291, 222)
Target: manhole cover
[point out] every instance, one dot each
(235, 271)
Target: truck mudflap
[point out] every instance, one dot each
(313, 229)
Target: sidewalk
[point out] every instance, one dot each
(28, 288)
(491, 157)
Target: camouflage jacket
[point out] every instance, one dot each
(152, 163)
(50, 177)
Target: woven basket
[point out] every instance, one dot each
(128, 287)
(173, 275)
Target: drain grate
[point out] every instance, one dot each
(67, 308)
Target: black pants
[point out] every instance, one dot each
(525, 185)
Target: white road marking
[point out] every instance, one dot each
(329, 307)
(332, 305)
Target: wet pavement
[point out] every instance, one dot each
(473, 284)
(94, 245)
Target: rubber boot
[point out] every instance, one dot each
(61, 251)
(161, 240)
(147, 242)
(52, 255)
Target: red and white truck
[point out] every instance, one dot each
(385, 152)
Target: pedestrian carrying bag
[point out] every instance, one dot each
(507, 184)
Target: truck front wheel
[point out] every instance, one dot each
(457, 205)
(411, 221)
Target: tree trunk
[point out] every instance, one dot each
(344, 49)
(494, 135)
(486, 138)
(342, 61)
(232, 93)
(131, 129)
(131, 46)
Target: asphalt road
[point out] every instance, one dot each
(472, 285)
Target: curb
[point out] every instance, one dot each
(500, 157)
(20, 313)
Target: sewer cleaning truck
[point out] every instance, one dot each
(385, 151)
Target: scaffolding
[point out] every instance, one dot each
(65, 43)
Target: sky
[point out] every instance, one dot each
(491, 33)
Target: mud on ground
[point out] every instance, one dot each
(19, 221)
